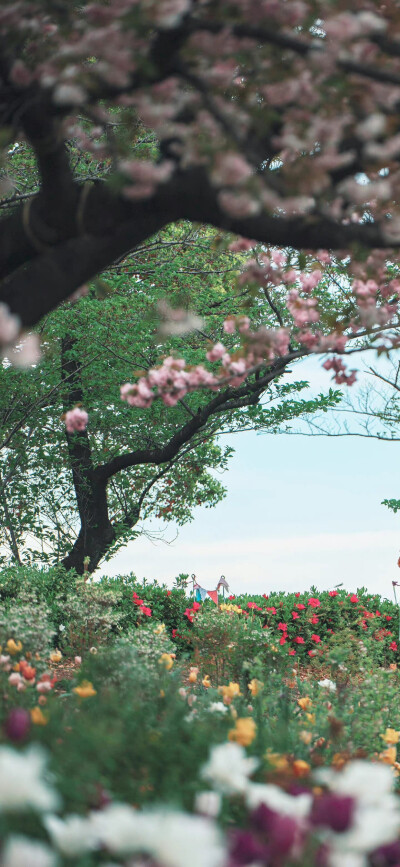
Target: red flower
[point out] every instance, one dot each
(145, 610)
(231, 597)
(315, 603)
(174, 633)
(398, 563)
(292, 653)
(282, 626)
(377, 613)
(168, 592)
(254, 605)
(300, 606)
(196, 606)
(311, 652)
(272, 610)
(265, 596)
(299, 639)
(189, 614)
(283, 639)
(333, 593)
(353, 598)
(392, 645)
(295, 615)
(331, 631)
(388, 617)
(314, 619)
(297, 595)
(315, 638)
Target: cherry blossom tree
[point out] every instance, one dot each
(276, 121)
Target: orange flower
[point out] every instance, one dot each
(56, 656)
(244, 731)
(391, 737)
(301, 768)
(277, 761)
(85, 689)
(38, 717)
(304, 703)
(193, 674)
(206, 681)
(255, 686)
(229, 691)
(13, 647)
(166, 660)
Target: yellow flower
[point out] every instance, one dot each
(193, 674)
(244, 731)
(162, 693)
(13, 647)
(391, 737)
(277, 761)
(388, 756)
(311, 718)
(301, 768)
(274, 649)
(159, 629)
(38, 717)
(56, 656)
(166, 660)
(305, 737)
(235, 608)
(255, 686)
(304, 703)
(206, 681)
(85, 689)
(229, 691)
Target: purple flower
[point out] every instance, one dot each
(17, 724)
(281, 831)
(245, 848)
(334, 811)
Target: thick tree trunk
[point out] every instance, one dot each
(96, 533)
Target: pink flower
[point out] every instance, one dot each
(76, 420)
(299, 639)
(272, 610)
(314, 619)
(333, 593)
(353, 598)
(283, 639)
(300, 606)
(292, 653)
(254, 606)
(295, 615)
(315, 603)
(282, 627)
(392, 645)
(316, 638)
(217, 351)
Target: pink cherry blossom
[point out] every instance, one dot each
(76, 420)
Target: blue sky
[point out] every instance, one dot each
(299, 511)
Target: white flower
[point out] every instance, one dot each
(22, 852)
(376, 819)
(208, 803)
(327, 684)
(61, 627)
(228, 768)
(173, 839)
(365, 781)
(278, 800)
(347, 859)
(72, 835)
(217, 707)
(21, 783)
